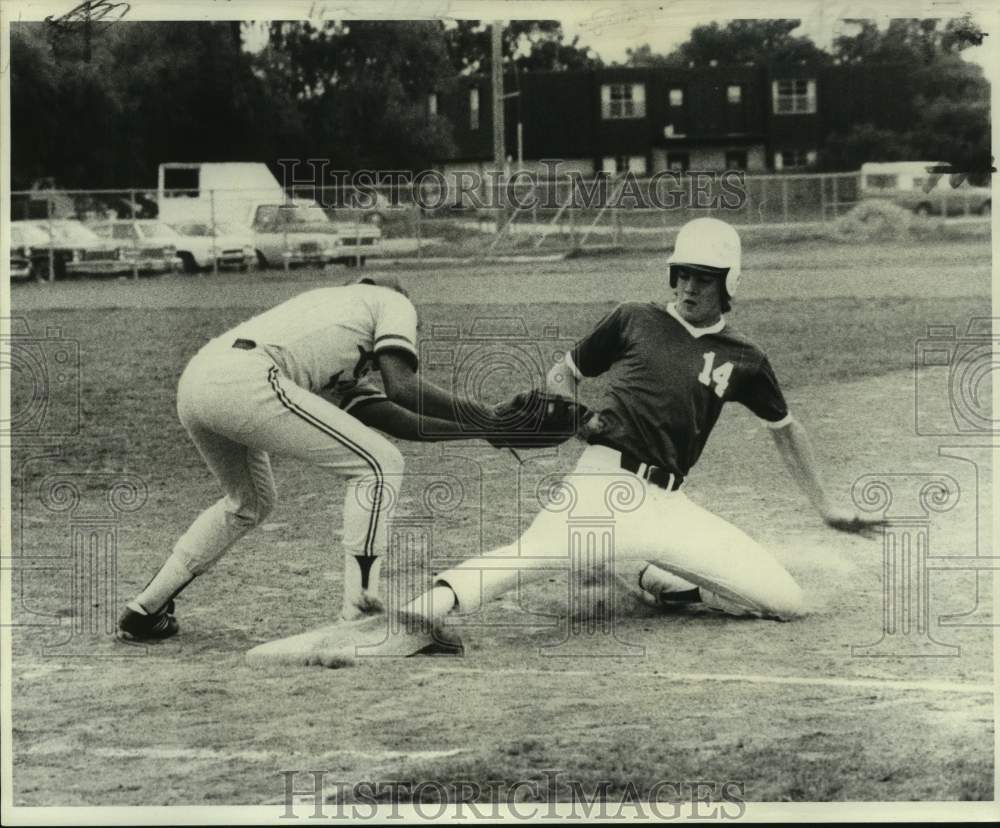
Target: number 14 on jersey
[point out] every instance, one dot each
(720, 375)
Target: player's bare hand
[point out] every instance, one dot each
(590, 426)
(845, 521)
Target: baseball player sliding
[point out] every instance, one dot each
(296, 380)
(674, 368)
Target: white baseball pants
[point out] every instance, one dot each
(238, 408)
(644, 523)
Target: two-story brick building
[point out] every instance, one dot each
(755, 118)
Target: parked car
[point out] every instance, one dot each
(71, 247)
(198, 240)
(21, 266)
(149, 244)
(284, 234)
(302, 232)
(377, 209)
(916, 186)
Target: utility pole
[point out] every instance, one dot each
(496, 64)
(86, 34)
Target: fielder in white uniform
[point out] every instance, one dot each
(295, 381)
(675, 368)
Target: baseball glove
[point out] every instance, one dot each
(535, 419)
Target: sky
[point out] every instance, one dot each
(612, 32)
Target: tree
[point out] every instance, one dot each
(362, 88)
(950, 113)
(907, 40)
(864, 142)
(735, 42)
(138, 95)
(528, 46)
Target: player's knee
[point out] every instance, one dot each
(253, 509)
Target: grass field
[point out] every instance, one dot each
(787, 711)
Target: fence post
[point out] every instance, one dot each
(836, 206)
(822, 198)
(572, 223)
(419, 211)
(286, 253)
(215, 253)
(52, 240)
(135, 231)
(784, 200)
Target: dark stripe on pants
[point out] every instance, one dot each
(272, 376)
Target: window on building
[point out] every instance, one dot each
(614, 164)
(794, 159)
(432, 104)
(678, 161)
(736, 159)
(794, 96)
(734, 93)
(623, 100)
(473, 108)
(636, 164)
(677, 97)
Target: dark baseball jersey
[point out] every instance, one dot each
(670, 381)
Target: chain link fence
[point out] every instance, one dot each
(136, 232)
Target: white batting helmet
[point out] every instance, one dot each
(711, 244)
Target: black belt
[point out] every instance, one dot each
(245, 344)
(657, 475)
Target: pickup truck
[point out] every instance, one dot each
(913, 186)
(300, 232)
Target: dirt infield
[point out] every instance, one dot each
(803, 711)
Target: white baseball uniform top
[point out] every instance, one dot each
(325, 340)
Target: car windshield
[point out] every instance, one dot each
(311, 215)
(157, 230)
(71, 232)
(302, 215)
(200, 229)
(193, 229)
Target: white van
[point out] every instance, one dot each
(917, 186)
(223, 191)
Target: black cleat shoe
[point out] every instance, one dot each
(134, 626)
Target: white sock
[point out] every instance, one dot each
(171, 579)
(434, 603)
